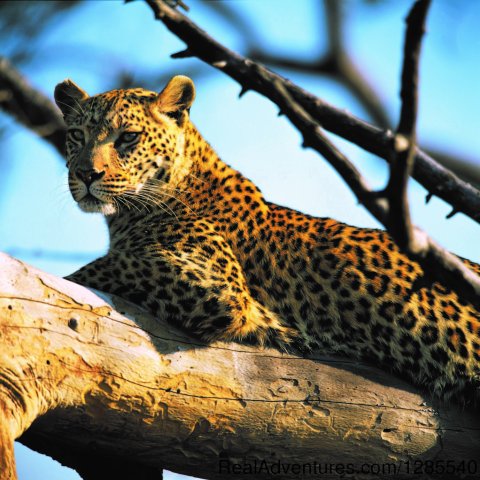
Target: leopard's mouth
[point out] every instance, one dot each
(91, 204)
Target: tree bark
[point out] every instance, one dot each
(86, 376)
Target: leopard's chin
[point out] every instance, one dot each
(91, 204)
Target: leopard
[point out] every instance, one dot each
(195, 242)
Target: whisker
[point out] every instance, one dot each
(128, 198)
(156, 196)
(159, 193)
(142, 200)
(197, 178)
(163, 184)
(182, 202)
(123, 201)
(79, 106)
(78, 112)
(157, 202)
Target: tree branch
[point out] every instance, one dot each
(463, 166)
(437, 262)
(399, 222)
(339, 65)
(434, 259)
(335, 63)
(30, 107)
(80, 380)
(253, 76)
(313, 137)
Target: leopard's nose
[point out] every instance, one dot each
(89, 176)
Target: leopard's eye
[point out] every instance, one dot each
(128, 137)
(77, 134)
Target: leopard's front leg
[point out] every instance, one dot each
(190, 292)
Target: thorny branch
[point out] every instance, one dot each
(253, 76)
(438, 262)
(299, 105)
(335, 63)
(338, 64)
(430, 255)
(399, 222)
(30, 107)
(313, 137)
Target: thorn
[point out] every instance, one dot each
(305, 144)
(452, 213)
(243, 91)
(182, 54)
(428, 197)
(183, 5)
(280, 113)
(177, 3)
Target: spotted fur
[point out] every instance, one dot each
(194, 241)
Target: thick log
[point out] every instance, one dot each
(86, 375)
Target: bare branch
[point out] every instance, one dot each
(338, 64)
(467, 168)
(437, 262)
(344, 68)
(250, 75)
(30, 107)
(399, 221)
(313, 137)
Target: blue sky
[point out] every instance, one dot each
(38, 215)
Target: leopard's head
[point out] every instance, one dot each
(124, 146)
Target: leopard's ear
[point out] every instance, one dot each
(68, 96)
(176, 98)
